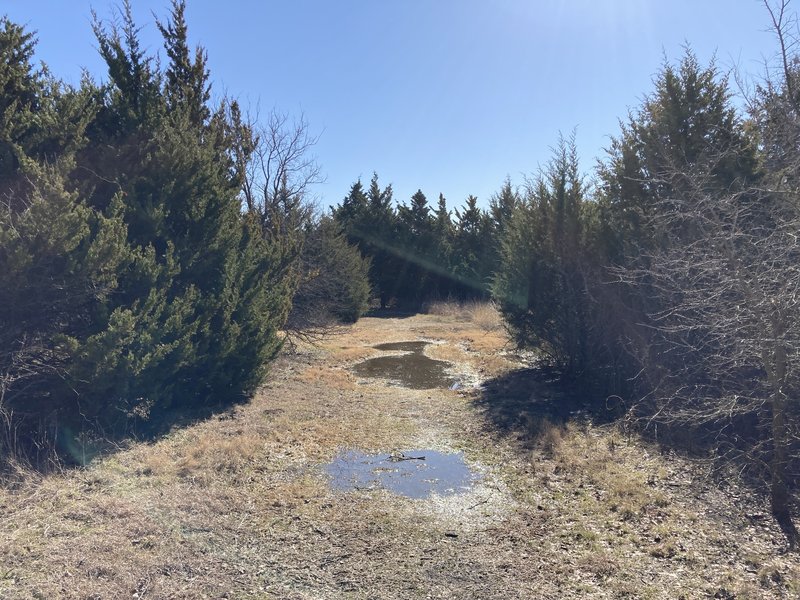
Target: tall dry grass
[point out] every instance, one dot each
(481, 313)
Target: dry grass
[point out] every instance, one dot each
(482, 337)
(237, 506)
(323, 375)
(483, 314)
(349, 353)
(547, 435)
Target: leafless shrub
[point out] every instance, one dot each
(723, 338)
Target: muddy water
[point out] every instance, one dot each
(414, 473)
(412, 369)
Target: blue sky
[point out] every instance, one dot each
(448, 96)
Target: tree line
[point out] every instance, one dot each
(419, 253)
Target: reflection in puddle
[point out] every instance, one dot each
(415, 473)
(412, 370)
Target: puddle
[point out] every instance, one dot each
(414, 473)
(416, 346)
(412, 369)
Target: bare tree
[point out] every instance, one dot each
(278, 169)
(725, 341)
(281, 170)
(785, 27)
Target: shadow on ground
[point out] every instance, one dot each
(526, 403)
(520, 401)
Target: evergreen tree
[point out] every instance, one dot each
(415, 249)
(379, 229)
(186, 87)
(416, 215)
(197, 319)
(501, 208)
(352, 209)
(60, 259)
(703, 242)
(21, 89)
(335, 284)
(540, 283)
(687, 123)
(369, 221)
(443, 223)
(471, 244)
(444, 284)
(685, 132)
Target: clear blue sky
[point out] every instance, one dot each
(448, 96)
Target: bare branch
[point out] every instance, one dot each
(282, 168)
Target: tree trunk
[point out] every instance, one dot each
(779, 491)
(780, 497)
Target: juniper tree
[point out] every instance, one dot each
(709, 283)
(60, 259)
(198, 317)
(415, 249)
(444, 284)
(687, 123)
(379, 231)
(540, 283)
(369, 221)
(501, 208)
(471, 265)
(335, 281)
(688, 120)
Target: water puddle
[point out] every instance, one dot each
(414, 474)
(412, 369)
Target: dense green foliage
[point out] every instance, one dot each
(674, 283)
(132, 282)
(334, 284)
(419, 253)
(540, 283)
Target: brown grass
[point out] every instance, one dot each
(238, 506)
(483, 314)
(327, 376)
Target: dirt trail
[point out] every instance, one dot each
(239, 506)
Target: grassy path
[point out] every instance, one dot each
(238, 507)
